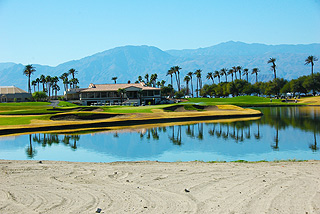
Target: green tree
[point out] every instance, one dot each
(170, 72)
(28, 70)
(39, 95)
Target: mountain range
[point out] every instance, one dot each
(128, 62)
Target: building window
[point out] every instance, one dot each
(90, 95)
(156, 92)
(103, 94)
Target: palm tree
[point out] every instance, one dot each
(311, 60)
(273, 66)
(147, 78)
(231, 72)
(43, 81)
(239, 68)
(64, 78)
(28, 70)
(121, 92)
(38, 82)
(162, 83)
(153, 79)
(140, 78)
(223, 71)
(114, 79)
(198, 75)
(170, 72)
(34, 83)
(176, 71)
(234, 68)
(210, 76)
(48, 82)
(187, 79)
(246, 72)
(190, 75)
(255, 71)
(72, 71)
(217, 74)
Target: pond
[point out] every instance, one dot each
(282, 133)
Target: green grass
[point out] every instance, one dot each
(240, 101)
(66, 104)
(5, 121)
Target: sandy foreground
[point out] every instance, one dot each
(154, 187)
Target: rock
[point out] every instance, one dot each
(98, 210)
(186, 190)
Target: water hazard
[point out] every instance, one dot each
(282, 133)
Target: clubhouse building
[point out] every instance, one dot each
(108, 94)
(13, 94)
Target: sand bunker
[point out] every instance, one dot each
(74, 117)
(153, 187)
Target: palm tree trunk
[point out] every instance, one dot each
(191, 86)
(29, 86)
(197, 88)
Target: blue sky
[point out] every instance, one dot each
(51, 32)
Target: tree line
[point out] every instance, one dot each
(240, 86)
(49, 84)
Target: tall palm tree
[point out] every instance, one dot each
(190, 75)
(217, 74)
(34, 83)
(223, 72)
(147, 78)
(311, 60)
(176, 70)
(210, 76)
(199, 82)
(239, 68)
(234, 68)
(28, 70)
(187, 79)
(43, 81)
(153, 79)
(246, 72)
(140, 78)
(114, 79)
(38, 82)
(273, 66)
(48, 82)
(255, 71)
(64, 78)
(170, 72)
(72, 71)
(231, 72)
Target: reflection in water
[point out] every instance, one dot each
(276, 129)
(48, 140)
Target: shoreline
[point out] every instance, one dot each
(159, 187)
(130, 120)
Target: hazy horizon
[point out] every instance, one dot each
(54, 32)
